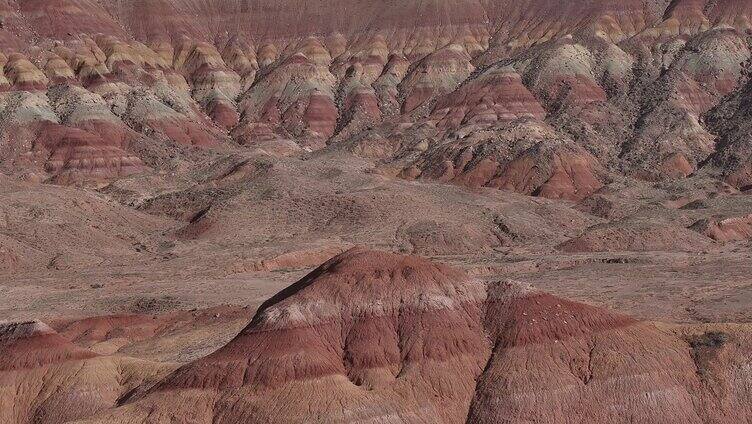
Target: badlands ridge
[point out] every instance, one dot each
(378, 337)
(577, 174)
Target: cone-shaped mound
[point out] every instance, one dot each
(380, 337)
(32, 344)
(370, 317)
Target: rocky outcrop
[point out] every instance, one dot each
(734, 228)
(24, 75)
(523, 156)
(438, 73)
(496, 95)
(75, 155)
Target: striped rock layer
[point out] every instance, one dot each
(89, 91)
(379, 337)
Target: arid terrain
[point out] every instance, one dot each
(351, 211)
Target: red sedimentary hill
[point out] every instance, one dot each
(218, 139)
(34, 344)
(379, 337)
(95, 91)
(47, 379)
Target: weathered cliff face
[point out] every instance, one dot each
(625, 85)
(383, 337)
